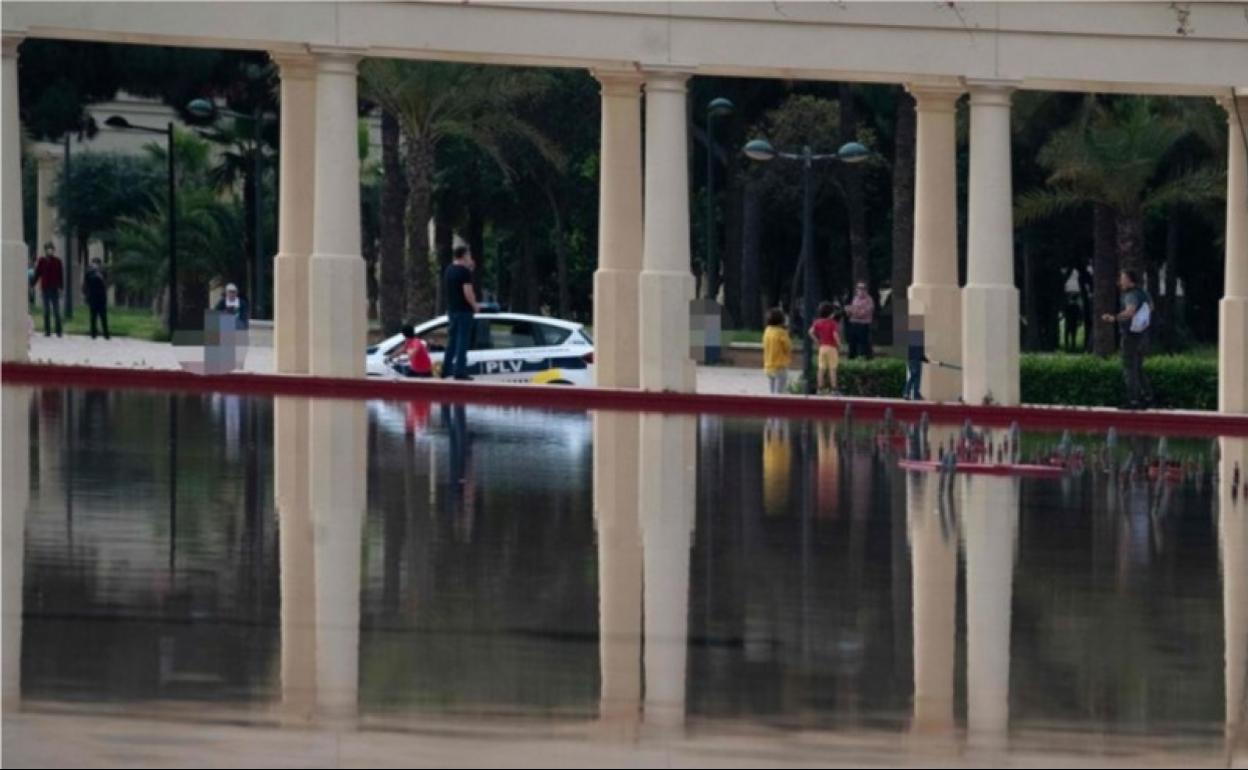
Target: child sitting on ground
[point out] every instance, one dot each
(777, 351)
(417, 355)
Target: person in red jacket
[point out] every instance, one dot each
(50, 276)
(417, 353)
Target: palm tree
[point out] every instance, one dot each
(1117, 158)
(209, 241)
(210, 233)
(435, 101)
(237, 149)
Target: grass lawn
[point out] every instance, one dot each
(122, 322)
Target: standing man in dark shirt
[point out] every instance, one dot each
(461, 303)
(95, 292)
(50, 276)
(1133, 321)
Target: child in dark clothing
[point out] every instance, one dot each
(916, 356)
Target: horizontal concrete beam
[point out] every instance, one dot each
(1192, 48)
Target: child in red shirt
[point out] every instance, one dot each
(417, 353)
(827, 334)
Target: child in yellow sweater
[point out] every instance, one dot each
(777, 351)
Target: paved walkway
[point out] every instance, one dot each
(129, 353)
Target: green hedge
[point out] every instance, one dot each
(1179, 382)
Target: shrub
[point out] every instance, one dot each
(1179, 381)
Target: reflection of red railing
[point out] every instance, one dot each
(989, 469)
(559, 397)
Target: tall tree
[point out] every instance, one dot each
(393, 203)
(851, 184)
(903, 214)
(1115, 156)
(432, 102)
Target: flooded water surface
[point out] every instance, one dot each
(755, 590)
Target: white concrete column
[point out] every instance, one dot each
(989, 507)
(337, 496)
(1233, 310)
(336, 290)
(666, 495)
(666, 285)
(291, 312)
(1233, 550)
(16, 441)
(935, 284)
(616, 319)
(934, 577)
(291, 476)
(990, 300)
(616, 483)
(14, 316)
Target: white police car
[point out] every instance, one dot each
(504, 347)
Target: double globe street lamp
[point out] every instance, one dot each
(851, 152)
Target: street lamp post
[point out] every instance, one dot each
(720, 107)
(205, 108)
(121, 123)
(850, 152)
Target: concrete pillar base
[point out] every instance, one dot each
(16, 318)
(338, 316)
(942, 320)
(291, 316)
(990, 344)
(665, 363)
(615, 343)
(1232, 359)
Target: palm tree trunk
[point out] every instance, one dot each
(903, 215)
(393, 201)
(1170, 312)
(443, 246)
(420, 160)
(1130, 232)
(244, 269)
(855, 201)
(1104, 277)
(561, 254)
(751, 260)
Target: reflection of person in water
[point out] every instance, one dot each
(462, 488)
(777, 461)
(417, 417)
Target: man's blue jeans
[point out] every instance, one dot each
(459, 336)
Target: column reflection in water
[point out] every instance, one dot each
(666, 494)
(1233, 547)
(290, 484)
(16, 491)
(989, 509)
(616, 484)
(934, 575)
(322, 515)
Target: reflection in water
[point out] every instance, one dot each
(989, 509)
(689, 575)
(666, 503)
(16, 446)
(1232, 512)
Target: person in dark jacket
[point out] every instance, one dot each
(95, 292)
(234, 305)
(50, 276)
